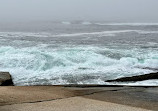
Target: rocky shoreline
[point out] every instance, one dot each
(77, 97)
(5, 79)
(61, 98)
(136, 78)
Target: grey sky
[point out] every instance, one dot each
(105, 10)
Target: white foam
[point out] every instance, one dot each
(30, 65)
(146, 32)
(24, 34)
(96, 34)
(103, 33)
(66, 23)
(153, 82)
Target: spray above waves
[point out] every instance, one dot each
(66, 23)
(78, 65)
(77, 23)
(128, 24)
(106, 23)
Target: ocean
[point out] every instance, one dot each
(59, 53)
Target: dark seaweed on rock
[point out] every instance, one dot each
(136, 78)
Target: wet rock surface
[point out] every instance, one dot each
(136, 78)
(5, 79)
(22, 98)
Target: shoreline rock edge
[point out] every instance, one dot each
(136, 78)
(6, 79)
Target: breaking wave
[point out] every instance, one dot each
(78, 65)
(96, 34)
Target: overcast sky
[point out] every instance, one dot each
(105, 10)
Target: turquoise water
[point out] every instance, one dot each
(45, 58)
(40, 65)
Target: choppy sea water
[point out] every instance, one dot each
(79, 53)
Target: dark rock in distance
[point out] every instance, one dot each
(136, 78)
(5, 79)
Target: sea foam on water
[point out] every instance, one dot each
(86, 56)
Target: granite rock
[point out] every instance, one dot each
(5, 79)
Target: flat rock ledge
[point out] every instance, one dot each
(61, 98)
(136, 78)
(5, 79)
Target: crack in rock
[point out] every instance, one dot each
(68, 97)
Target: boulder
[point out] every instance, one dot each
(136, 78)
(5, 79)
